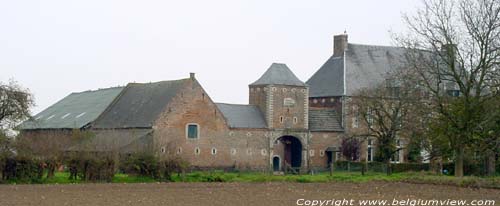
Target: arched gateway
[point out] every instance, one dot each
(292, 151)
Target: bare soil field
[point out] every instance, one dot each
(229, 194)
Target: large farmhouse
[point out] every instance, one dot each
(287, 123)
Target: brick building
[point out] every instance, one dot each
(287, 123)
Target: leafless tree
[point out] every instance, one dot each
(391, 112)
(454, 48)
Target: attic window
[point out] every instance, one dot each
(51, 116)
(66, 115)
(80, 115)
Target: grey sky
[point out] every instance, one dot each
(58, 47)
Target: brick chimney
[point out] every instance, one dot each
(191, 76)
(339, 44)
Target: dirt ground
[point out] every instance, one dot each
(228, 194)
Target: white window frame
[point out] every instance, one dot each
(369, 150)
(398, 152)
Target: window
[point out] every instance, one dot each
(369, 116)
(295, 120)
(162, 149)
(249, 151)
(192, 131)
(214, 151)
(263, 152)
(281, 119)
(453, 93)
(197, 151)
(355, 118)
(321, 153)
(369, 155)
(393, 86)
(311, 153)
(233, 151)
(395, 157)
(179, 150)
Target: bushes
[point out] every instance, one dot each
(23, 169)
(406, 167)
(380, 166)
(172, 165)
(91, 167)
(143, 164)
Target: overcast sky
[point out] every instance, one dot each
(55, 47)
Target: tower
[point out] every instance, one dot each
(282, 98)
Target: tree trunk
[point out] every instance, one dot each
(388, 167)
(490, 163)
(459, 162)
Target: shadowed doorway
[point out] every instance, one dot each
(292, 151)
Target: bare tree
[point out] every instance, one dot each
(392, 112)
(454, 48)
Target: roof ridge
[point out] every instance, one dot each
(163, 81)
(234, 104)
(99, 89)
(375, 45)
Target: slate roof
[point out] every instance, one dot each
(139, 104)
(365, 66)
(279, 74)
(324, 120)
(115, 140)
(242, 116)
(74, 111)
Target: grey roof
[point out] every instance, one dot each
(242, 116)
(139, 105)
(278, 74)
(365, 66)
(74, 111)
(324, 120)
(124, 140)
(328, 80)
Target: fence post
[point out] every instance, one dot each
(331, 169)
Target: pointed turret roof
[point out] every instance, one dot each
(279, 74)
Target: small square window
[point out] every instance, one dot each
(192, 131)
